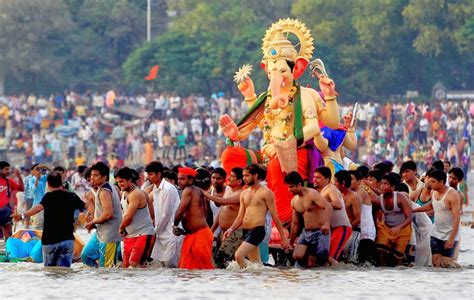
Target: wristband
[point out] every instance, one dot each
(251, 98)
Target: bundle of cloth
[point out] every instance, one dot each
(24, 245)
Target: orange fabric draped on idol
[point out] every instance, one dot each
(276, 183)
(196, 252)
(233, 157)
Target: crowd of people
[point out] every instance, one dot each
(404, 209)
(73, 129)
(77, 129)
(202, 217)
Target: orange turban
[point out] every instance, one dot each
(187, 171)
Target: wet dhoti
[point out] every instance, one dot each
(196, 252)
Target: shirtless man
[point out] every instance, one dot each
(136, 227)
(315, 212)
(352, 202)
(341, 229)
(196, 252)
(366, 251)
(447, 217)
(226, 216)
(394, 232)
(254, 204)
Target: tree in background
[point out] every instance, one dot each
(31, 42)
(372, 48)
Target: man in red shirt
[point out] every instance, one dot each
(7, 186)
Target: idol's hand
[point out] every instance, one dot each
(229, 128)
(247, 88)
(328, 87)
(269, 150)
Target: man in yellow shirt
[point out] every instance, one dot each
(80, 160)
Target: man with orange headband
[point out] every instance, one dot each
(196, 252)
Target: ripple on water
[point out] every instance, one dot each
(32, 281)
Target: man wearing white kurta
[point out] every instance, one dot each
(166, 201)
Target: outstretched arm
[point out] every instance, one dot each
(234, 199)
(31, 212)
(238, 220)
(270, 201)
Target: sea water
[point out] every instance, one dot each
(33, 281)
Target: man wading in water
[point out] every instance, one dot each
(310, 207)
(254, 204)
(196, 252)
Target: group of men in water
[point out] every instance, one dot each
(201, 219)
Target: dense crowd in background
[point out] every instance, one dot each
(73, 129)
(62, 135)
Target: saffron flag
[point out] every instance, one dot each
(153, 73)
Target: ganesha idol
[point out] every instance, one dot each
(287, 113)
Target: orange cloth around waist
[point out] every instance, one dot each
(196, 252)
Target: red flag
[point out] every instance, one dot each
(153, 73)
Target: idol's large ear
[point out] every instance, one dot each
(300, 65)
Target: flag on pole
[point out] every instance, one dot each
(153, 73)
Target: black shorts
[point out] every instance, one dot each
(255, 235)
(5, 215)
(437, 247)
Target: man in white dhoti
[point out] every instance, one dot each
(166, 201)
